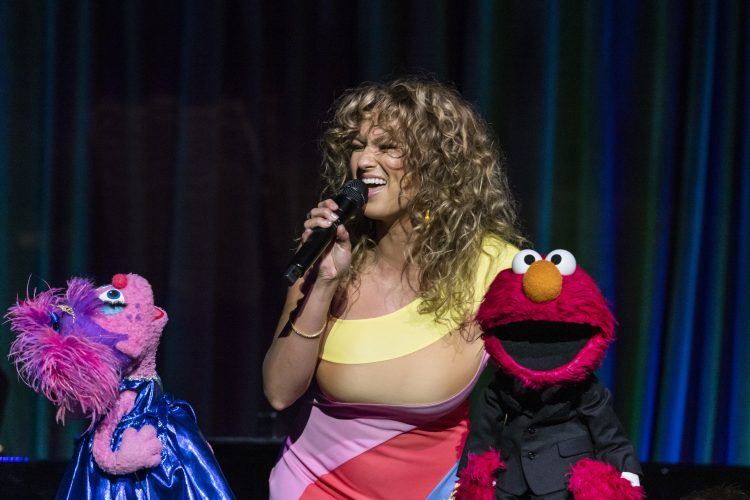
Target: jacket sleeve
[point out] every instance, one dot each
(485, 426)
(610, 443)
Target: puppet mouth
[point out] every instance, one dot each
(543, 345)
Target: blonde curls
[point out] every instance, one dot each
(454, 172)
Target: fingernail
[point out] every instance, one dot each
(334, 217)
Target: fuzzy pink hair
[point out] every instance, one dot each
(594, 480)
(579, 302)
(477, 480)
(72, 362)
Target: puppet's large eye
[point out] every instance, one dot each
(523, 260)
(113, 301)
(564, 261)
(112, 296)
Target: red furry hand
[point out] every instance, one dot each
(477, 480)
(594, 480)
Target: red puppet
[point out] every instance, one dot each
(545, 427)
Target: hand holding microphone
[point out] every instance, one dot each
(326, 223)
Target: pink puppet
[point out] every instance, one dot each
(92, 353)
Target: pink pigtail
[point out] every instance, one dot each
(73, 362)
(74, 373)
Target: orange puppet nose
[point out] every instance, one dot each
(542, 281)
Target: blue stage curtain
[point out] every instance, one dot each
(178, 139)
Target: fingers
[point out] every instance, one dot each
(342, 235)
(324, 215)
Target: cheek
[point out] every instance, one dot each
(129, 320)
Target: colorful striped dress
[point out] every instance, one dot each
(371, 451)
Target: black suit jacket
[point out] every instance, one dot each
(540, 434)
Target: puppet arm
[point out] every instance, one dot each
(616, 471)
(480, 461)
(138, 448)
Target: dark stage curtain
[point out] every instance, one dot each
(178, 140)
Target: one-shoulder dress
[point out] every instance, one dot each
(363, 451)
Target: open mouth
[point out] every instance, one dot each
(158, 313)
(374, 184)
(543, 345)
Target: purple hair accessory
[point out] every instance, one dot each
(73, 361)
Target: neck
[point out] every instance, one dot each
(389, 257)
(145, 368)
(392, 240)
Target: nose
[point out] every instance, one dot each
(368, 157)
(542, 281)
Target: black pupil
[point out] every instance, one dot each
(556, 259)
(113, 294)
(529, 259)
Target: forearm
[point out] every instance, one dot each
(290, 362)
(101, 447)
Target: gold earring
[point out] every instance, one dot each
(427, 217)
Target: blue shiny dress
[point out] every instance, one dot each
(188, 468)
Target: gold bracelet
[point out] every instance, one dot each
(308, 335)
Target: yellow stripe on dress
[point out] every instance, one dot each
(404, 331)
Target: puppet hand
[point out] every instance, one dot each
(591, 480)
(477, 480)
(139, 449)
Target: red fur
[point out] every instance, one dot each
(579, 302)
(477, 480)
(594, 480)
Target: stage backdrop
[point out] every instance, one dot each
(179, 140)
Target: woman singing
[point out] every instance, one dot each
(384, 323)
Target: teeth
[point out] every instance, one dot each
(373, 181)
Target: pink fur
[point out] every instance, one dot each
(141, 321)
(75, 370)
(579, 302)
(74, 373)
(594, 480)
(75, 354)
(477, 480)
(138, 448)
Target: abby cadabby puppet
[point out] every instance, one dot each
(92, 352)
(545, 426)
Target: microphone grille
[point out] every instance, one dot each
(355, 190)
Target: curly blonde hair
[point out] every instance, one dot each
(454, 173)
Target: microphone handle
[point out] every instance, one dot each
(311, 250)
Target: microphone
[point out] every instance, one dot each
(350, 200)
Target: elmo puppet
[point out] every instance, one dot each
(545, 427)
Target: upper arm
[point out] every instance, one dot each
(610, 442)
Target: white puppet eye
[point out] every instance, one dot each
(564, 261)
(113, 296)
(523, 260)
